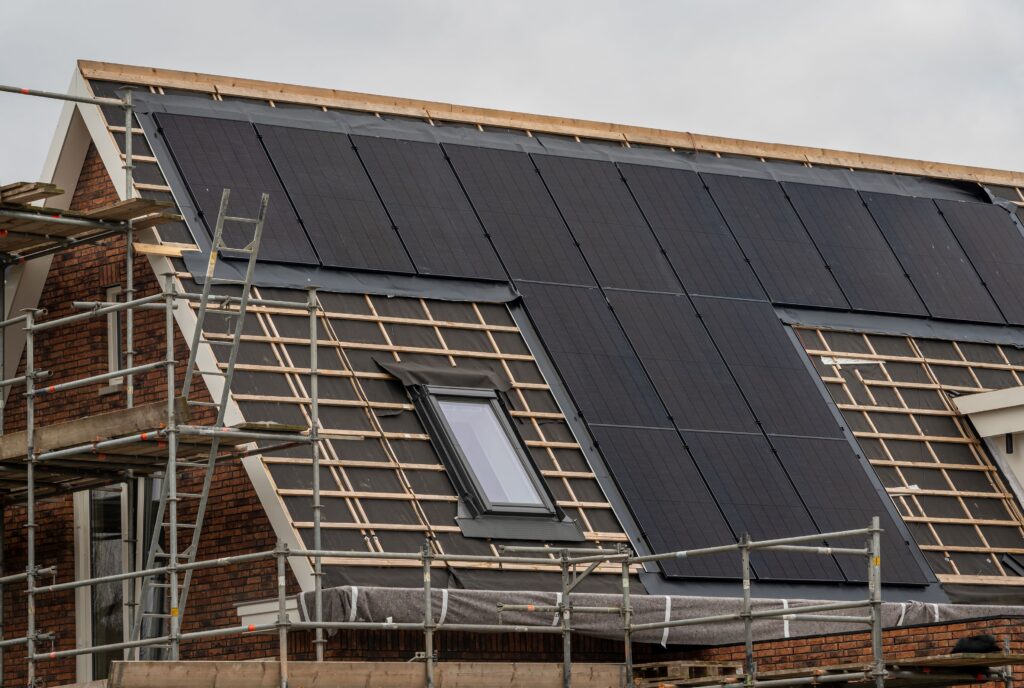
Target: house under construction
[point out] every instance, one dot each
(310, 387)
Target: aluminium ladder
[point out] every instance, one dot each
(164, 595)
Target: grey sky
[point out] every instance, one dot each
(931, 79)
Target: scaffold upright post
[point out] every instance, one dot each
(129, 250)
(749, 668)
(875, 590)
(627, 620)
(564, 614)
(172, 471)
(281, 554)
(428, 616)
(30, 487)
(314, 437)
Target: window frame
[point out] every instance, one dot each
(115, 339)
(427, 402)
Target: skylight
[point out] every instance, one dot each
(484, 453)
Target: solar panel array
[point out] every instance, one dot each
(652, 289)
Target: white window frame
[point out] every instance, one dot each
(115, 335)
(83, 570)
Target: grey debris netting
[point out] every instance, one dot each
(405, 605)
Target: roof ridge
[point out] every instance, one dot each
(582, 128)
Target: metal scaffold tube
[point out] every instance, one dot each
(564, 608)
(171, 477)
(30, 487)
(314, 437)
(129, 251)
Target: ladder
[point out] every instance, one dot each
(156, 603)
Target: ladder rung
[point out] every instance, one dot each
(225, 280)
(155, 615)
(221, 342)
(251, 220)
(181, 525)
(189, 495)
(159, 585)
(165, 555)
(203, 403)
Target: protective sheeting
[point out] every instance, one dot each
(406, 605)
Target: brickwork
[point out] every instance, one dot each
(851, 648)
(235, 522)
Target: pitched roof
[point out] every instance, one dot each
(663, 282)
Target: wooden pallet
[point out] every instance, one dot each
(651, 674)
(928, 670)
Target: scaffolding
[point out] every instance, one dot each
(158, 439)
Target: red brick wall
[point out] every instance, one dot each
(855, 648)
(235, 521)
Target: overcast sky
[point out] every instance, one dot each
(929, 79)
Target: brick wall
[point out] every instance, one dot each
(235, 521)
(855, 648)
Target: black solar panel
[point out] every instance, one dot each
(518, 213)
(679, 355)
(772, 237)
(334, 198)
(696, 239)
(433, 215)
(668, 497)
(995, 246)
(840, 496)
(851, 243)
(757, 497)
(214, 154)
(767, 367)
(593, 356)
(937, 265)
(606, 222)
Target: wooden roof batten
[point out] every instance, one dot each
(627, 134)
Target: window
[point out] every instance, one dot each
(107, 599)
(99, 551)
(115, 346)
(487, 459)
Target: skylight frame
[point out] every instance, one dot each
(427, 399)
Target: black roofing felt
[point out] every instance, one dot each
(646, 282)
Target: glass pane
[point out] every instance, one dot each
(490, 453)
(105, 536)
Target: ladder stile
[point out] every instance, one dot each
(156, 590)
